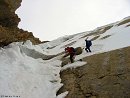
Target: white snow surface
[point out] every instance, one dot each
(27, 77)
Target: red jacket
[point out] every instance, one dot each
(70, 50)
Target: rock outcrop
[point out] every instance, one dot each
(105, 75)
(78, 50)
(9, 32)
(8, 18)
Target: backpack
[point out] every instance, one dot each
(89, 42)
(73, 49)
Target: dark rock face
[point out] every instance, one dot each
(9, 32)
(9, 35)
(105, 75)
(8, 18)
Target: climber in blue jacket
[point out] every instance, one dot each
(88, 44)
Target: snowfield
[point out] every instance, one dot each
(27, 77)
(24, 74)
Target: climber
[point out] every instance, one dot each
(70, 51)
(88, 44)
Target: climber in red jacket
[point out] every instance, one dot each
(70, 51)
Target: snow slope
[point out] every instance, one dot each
(118, 38)
(23, 75)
